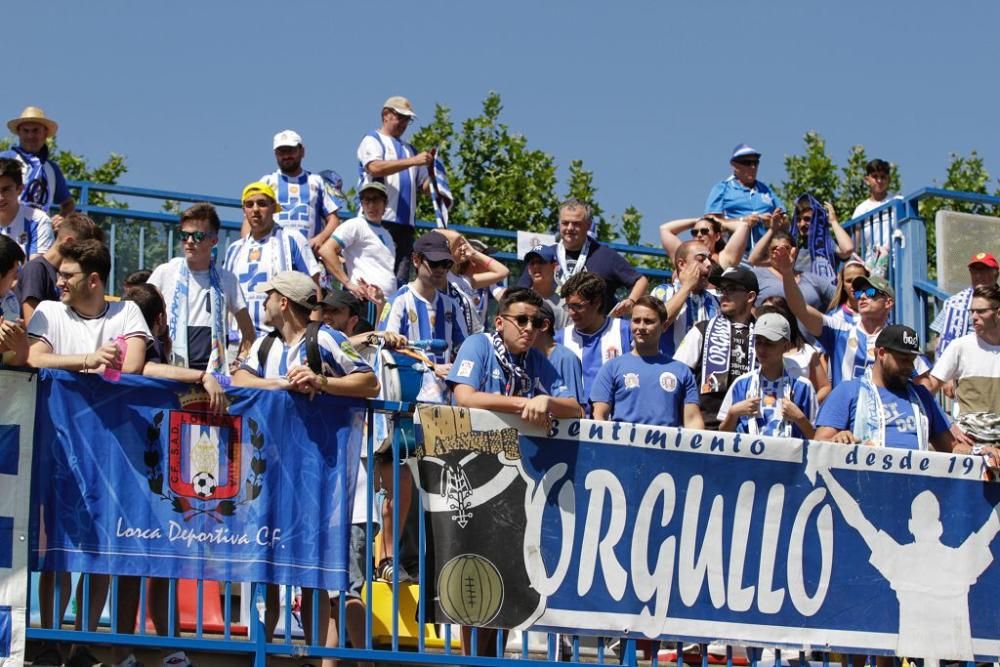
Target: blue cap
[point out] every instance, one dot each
(742, 150)
(546, 253)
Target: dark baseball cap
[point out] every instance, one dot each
(433, 246)
(899, 338)
(546, 313)
(546, 253)
(878, 282)
(739, 275)
(343, 299)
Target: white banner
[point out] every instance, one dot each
(17, 421)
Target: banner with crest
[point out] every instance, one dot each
(617, 529)
(138, 477)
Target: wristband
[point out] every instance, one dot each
(224, 380)
(978, 450)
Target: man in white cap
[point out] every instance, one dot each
(44, 183)
(743, 196)
(384, 157)
(305, 205)
(283, 360)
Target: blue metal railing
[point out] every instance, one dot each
(138, 201)
(898, 225)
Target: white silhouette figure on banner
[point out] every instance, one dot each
(931, 580)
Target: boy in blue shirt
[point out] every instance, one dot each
(767, 400)
(645, 386)
(501, 371)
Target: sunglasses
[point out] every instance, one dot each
(440, 264)
(66, 275)
(258, 203)
(701, 231)
(870, 293)
(523, 320)
(732, 289)
(197, 237)
(748, 163)
(983, 311)
(577, 307)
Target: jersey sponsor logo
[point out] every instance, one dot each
(668, 381)
(631, 380)
(349, 351)
(611, 352)
(255, 254)
(465, 369)
(496, 373)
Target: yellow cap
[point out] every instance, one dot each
(262, 188)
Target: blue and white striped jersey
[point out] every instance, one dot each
(305, 203)
(255, 261)
(401, 187)
(613, 339)
(410, 315)
(336, 352)
(32, 230)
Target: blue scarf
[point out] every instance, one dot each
(36, 185)
(518, 383)
(819, 243)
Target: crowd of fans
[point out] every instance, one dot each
(772, 325)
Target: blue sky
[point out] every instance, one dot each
(651, 96)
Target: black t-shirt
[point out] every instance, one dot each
(605, 262)
(37, 281)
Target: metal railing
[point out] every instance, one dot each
(898, 226)
(142, 235)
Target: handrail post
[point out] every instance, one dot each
(909, 261)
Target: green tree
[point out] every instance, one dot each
(498, 181)
(816, 173)
(630, 232)
(965, 174)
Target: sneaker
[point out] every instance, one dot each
(178, 659)
(83, 658)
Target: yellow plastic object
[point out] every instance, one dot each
(408, 629)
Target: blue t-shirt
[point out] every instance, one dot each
(476, 365)
(645, 390)
(800, 392)
(735, 200)
(570, 370)
(839, 409)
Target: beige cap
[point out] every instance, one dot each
(292, 285)
(400, 105)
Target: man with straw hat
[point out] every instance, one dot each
(44, 183)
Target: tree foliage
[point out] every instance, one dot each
(498, 181)
(815, 172)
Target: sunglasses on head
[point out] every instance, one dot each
(523, 320)
(197, 237)
(869, 292)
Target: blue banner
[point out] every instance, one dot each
(610, 529)
(137, 478)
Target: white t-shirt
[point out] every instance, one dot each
(369, 253)
(401, 187)
(164, 278)
(68, 332)
(32, 230)
(797, 361)
(879, 231)
(975, 365)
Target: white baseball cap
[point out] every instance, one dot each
(287, 138)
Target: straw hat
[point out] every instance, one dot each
(33, 115)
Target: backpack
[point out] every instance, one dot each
(313, 358)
